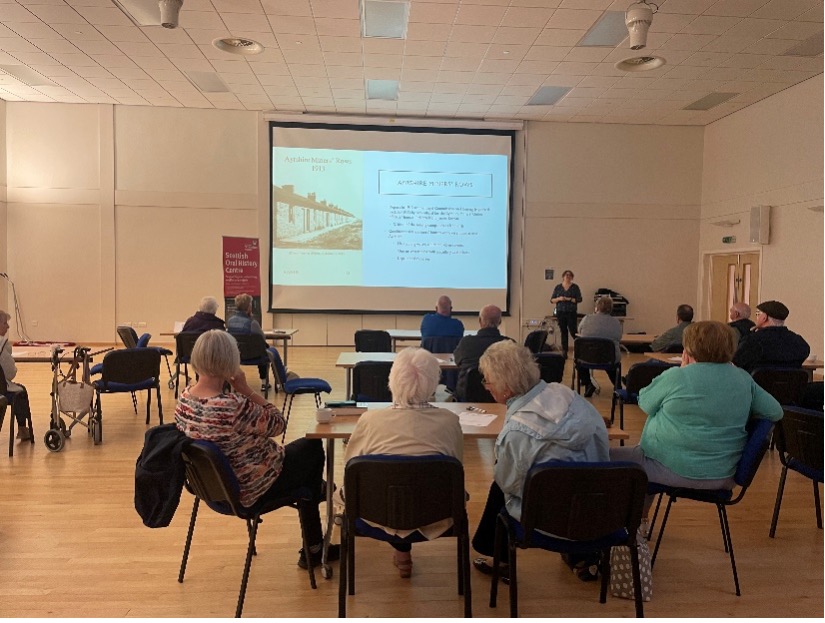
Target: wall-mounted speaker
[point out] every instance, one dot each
(760, 224)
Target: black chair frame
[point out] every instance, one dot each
(210, 478)
(253, 348)
(127, 366)
(404, 492)
(372, 341)
(799, 441)
(5, 394)
(475, 391)
(184, 343)
(586, 507)
(536, 340)
(370, 381)
(755, 449)
(551, 366)
(595, 353)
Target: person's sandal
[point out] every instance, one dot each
(403, 560)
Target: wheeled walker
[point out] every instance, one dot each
(72, 396)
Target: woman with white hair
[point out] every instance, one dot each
(544, 422)
(22, 411)
(411, 427)
(205, 318)
(243, 424)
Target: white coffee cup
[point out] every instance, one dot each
(324, 415)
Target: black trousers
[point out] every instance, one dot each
(568, 322)
(485, 537)
(303, 467)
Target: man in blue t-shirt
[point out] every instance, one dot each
(441, 323)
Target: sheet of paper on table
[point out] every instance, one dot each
(467, 418)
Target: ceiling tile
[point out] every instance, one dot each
(428, 32)
(286, 7)
(573, 19)
(525, 36)
(735, 8)
(432, 13)
(338, 27)
(472, 34)
(711, 25)
(524, 17)
(238, 6)
(784, 9)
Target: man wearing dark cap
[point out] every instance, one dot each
(770, 342)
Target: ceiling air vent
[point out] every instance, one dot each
(237, 45)
(640, 63)
(709, 101)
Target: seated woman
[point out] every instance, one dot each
(20, 401)
(242, 425)
(412, 427)
(544, 422)
(600, 324)
(204, 319)
(696, 414)
(242, 323)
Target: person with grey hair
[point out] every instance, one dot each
(17, 395)
(204, 319)
(543, 422)
(600, 324)
(242, 424)
(410, 427)
(242, 323)
(740, 318)
(471, 347)
(770, 342)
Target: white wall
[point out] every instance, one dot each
(771, 154)
(619, 206)
(3, 212)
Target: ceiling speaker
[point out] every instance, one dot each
(760, 224)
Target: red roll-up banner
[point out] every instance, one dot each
(241, 272)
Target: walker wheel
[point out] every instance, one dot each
(326, 572)
(97, 431)
(171, 384)
(53, 440)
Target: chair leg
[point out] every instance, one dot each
(459, 565)
(511, 547)
(497, 543)
(604, 565)
(778, 502)
(613, 409)
(465, 554)
(649, 534)
(12, 422)
(134, 402)
(148, 404)
(351, 563)
(177, 379)
(245, 579)
(342, 571)
(168, 368)
(670, 501)
(188, 539)
(160, 406)
(817, 505)
(722, 526)
(637, 580)
(729, 540)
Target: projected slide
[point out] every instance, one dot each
(389, 219)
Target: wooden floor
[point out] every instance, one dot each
(72, 545)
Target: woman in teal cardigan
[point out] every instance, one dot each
(695, 430)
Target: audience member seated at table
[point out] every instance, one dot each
(673, 336)
(204, 319)
(543, 422)
(740, 319)
(22, 411)
(242, 323)
(472, 347)
(441, 323)
(411, 427)
(243, 425)
(696, 415)
(600, 324)
(770, 342)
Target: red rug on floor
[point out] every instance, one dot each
(46, 343)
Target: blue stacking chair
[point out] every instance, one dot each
(443, 344)
(127, 370)
(209, 477)
(404, 493)
(799, 440)
(295, 387)
(759, 433)
(574, 508)
(130, 339)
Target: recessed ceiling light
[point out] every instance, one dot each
(382, 90)
(547, 96)
(385, 19)
(237, 45)
(709, 101)
(640, 63)
(608, 31)
(506, 52)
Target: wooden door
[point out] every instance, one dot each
(734, 278)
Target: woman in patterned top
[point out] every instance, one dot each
(241, 423)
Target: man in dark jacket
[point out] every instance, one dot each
(740, 319)
(204, 319)
(472, 347)
(770, 342)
